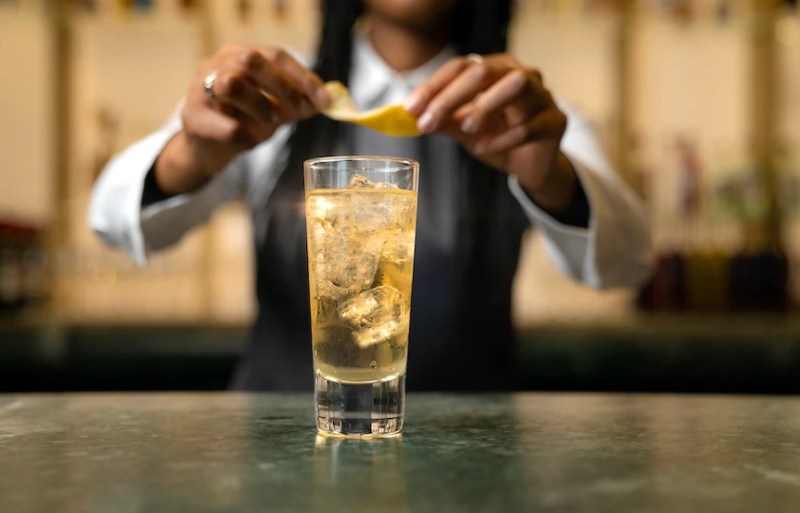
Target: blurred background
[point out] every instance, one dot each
(698, 102)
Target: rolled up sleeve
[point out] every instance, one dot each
(615, 250)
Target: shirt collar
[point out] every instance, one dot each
(371, 78)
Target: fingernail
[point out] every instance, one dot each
(414, 105)
(469, 126)
(427, 122)
(322, 97)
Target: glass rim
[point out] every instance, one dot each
(366, 158)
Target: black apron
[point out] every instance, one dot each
(468, 239)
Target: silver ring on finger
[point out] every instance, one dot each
(475, 58)
(208, 85)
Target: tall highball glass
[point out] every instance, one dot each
(361, 220)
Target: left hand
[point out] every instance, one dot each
(500, 111)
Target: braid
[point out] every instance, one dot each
(336, 42)
(481, 27)
(318, 136)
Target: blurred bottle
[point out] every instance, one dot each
(85, 5)
(23, 266)
(707, 280)
(706, 269)
(244, 8)
(143, 5)
(10, 268)
(108, 137)
(665, 291)
(759, 274)
(280, 8)
(35, 267)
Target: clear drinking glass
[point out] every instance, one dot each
(361, 220)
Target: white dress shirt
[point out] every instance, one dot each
(613, 251)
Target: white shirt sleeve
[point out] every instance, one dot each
(115, 212)
(615, 250)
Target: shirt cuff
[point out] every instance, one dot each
(152, 146)
(569, 246)
(115, 211)
(541, 218)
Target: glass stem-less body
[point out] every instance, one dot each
(361, 230)
(360, 320)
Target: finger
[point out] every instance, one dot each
(213, 125)
(251, 65)
(304, 80)
(233, 89)
(226, 125)
(495, 123)
(418, 100)
(517, 89)
(459, 92)
(550, 124)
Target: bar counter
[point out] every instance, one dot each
(208, 452)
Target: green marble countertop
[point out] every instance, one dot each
(492, 453)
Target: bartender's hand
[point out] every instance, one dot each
(500, 111)
(238, 98)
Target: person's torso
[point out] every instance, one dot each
(460, 336)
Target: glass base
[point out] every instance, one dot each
(360, 410)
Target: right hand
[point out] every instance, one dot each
(256, 90)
